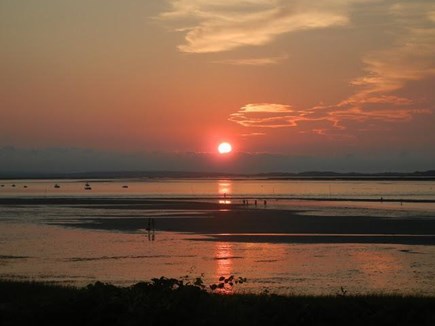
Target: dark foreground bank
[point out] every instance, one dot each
(165, 302)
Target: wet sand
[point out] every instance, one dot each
(280, 226)
(240, 223)
(285, 250)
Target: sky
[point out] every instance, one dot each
(293, 85)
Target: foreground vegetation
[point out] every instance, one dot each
(173, 302)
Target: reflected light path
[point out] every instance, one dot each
(224, 263)
(224, 259)
(225, 191)
(224, 188)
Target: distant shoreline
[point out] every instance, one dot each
(78, 200)
(315, 175)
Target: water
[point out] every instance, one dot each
(80, 257)
(31, 247)
(157, 188)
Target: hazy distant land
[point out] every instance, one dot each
(316, 175)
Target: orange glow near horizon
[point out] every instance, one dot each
(159, 96)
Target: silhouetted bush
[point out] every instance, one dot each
(166, 301)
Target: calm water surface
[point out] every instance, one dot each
(49, 253)
(155, 188)
(31, 248)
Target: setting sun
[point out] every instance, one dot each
(224, 148)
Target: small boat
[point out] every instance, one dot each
(56, 186)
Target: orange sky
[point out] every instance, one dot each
(305, 78)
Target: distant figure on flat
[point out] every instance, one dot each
(151, 230)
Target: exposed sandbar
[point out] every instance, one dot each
(235, 222)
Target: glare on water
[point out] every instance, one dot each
(50, 253)
(31, 248)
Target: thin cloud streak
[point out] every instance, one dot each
(411, 58)
(376, 99)
(266, 107)
(227, 25)
(332, 117)
(253, 134)
(266, 61)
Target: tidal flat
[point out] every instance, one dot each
(77, 241)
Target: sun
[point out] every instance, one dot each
(225, 148)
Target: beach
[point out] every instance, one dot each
(238, 222)
(308, 248)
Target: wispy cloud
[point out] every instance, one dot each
(272, 115)
(410, 58)
(265, 61)
(216, 26)
(266, 107)
(253, 134)
(265, 115)
(378, 95)
(268, 115)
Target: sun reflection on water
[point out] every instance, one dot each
(224, 263)
(224, 188)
